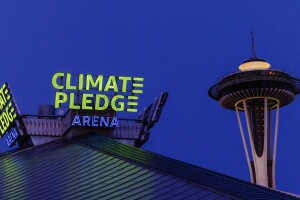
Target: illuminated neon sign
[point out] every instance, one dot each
(95, 121)
(12, 137)
(8, 111)
(88, 92)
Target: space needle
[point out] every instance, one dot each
(256, 93)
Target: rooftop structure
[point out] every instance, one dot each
(92, 166)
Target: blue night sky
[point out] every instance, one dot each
(183, 47)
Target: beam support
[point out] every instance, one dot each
(260, 165)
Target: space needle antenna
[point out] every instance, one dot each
(252, 43)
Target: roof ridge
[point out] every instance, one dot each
(143, 165)
(108, 144)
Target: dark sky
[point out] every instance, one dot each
(183, 47)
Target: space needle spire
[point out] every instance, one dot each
(257, 93)
(252, 45)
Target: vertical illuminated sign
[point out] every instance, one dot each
(8, 115)
(8, 110)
